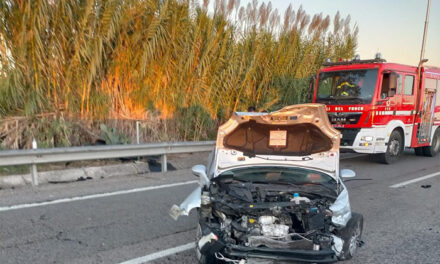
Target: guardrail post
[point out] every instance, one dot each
(164, 163)
(137, 132)
(34, 172)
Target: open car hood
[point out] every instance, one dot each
(297, 135)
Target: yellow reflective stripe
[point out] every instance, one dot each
(345, 83)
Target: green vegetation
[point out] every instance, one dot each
(174, 64)
(13, 170)
(112, 137)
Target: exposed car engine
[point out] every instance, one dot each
(262, 215)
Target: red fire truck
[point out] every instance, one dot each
(381, 107)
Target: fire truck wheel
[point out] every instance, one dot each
(434, 149)
(394, 149)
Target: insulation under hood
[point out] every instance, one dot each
(299, 135)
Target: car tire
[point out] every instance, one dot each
(202, 258)
(394, 149)
(351, 234)
(434, 149)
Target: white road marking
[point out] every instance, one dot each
(415, 180)
(93, 196)
(161, 254)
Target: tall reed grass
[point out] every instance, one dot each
(185, 63)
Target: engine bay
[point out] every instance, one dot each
(267, 215)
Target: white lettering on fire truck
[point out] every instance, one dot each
(356, 108)
(384, 113)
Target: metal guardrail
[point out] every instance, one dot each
(40, 156)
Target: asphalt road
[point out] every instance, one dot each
(123, 219)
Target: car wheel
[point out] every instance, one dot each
(394, 149)
(351, 234)
(200, 257)
(434, 149)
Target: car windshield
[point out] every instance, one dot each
(290, 175)
(347, 87)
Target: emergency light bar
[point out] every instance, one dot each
(377, 60)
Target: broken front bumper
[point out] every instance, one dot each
(310, 256)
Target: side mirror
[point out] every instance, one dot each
(200, 171)
(346, 173)
(311, 90)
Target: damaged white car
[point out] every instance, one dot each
(272, 192)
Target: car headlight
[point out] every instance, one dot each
(341, 209)
(367, 138)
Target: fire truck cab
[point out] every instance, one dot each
(381, 108)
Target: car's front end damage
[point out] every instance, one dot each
(264, 221)
(272, 192)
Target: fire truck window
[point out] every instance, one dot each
(430, 84)
(389, 85)
(325, 87)
(347, 87)
(385, 86)
(409, 84)
(399, 84)
(434, 85)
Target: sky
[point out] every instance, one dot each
(392, 27)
